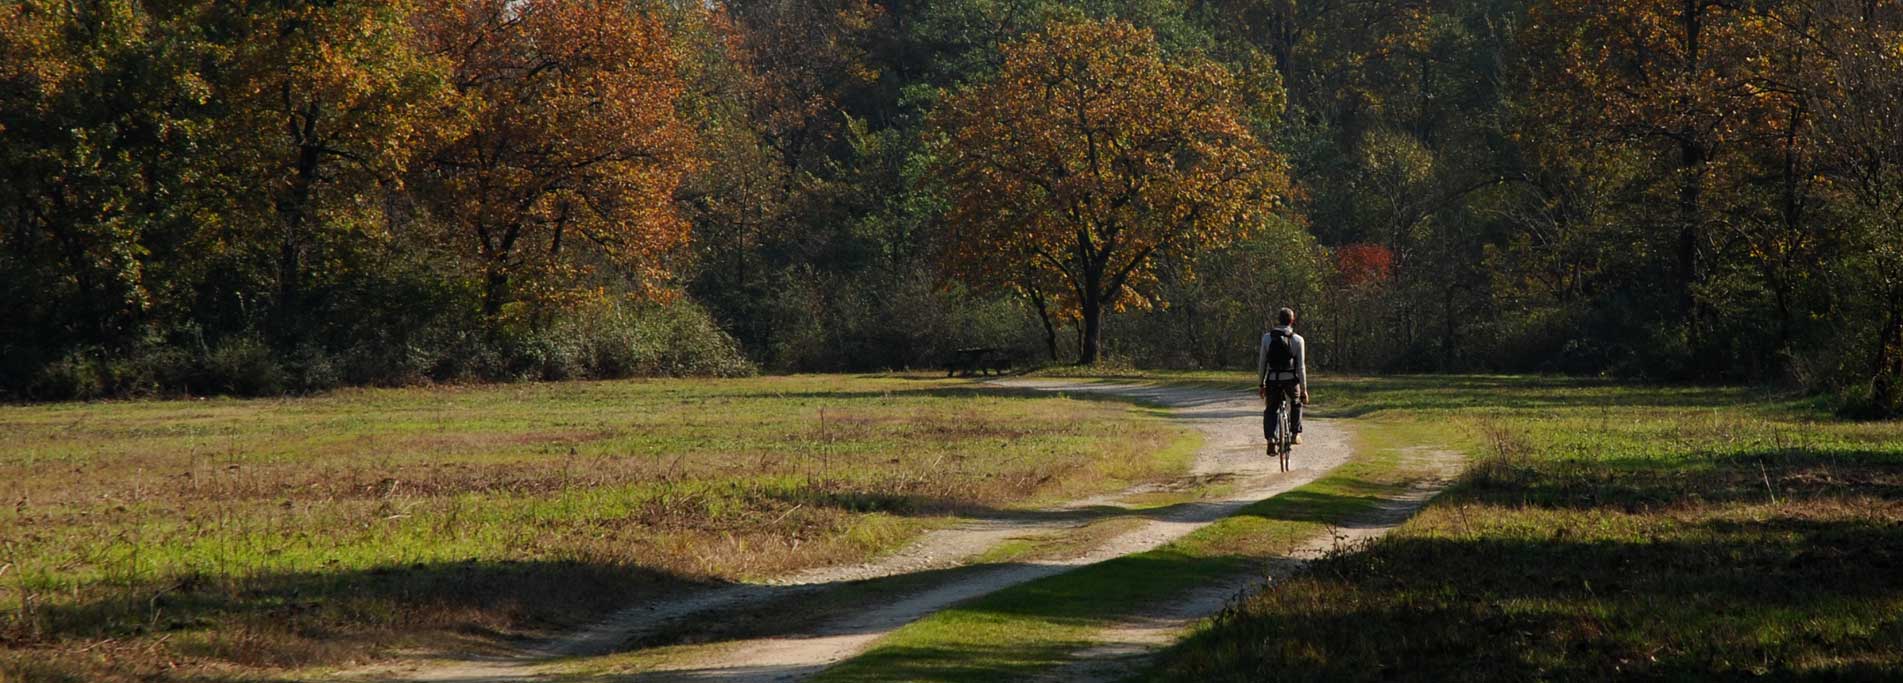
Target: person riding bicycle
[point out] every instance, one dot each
(1282, 373)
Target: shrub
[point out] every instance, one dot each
(315, 370)
(77, 375)
(151, 371)
(625, 340)
(244, 366)
(603, 341)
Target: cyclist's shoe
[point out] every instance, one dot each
(1297, 440)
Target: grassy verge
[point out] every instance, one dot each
(1604, 532)
(1022, 630)
(238, 535)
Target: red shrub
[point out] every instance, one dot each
(1364, 264)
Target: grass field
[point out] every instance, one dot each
(1604, 532)
(181, 539)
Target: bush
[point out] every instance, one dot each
(78, 375)
(603, 341)
(244, 366)
(91, 373)
(627, 340)
(315, 370)
(151, 371)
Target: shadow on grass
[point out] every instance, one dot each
(1051, 595)
(915, 663)
(1626, 568)
(257, 621)
(1296, 506)
(1357, 397)
(280, 619)
(1789, 475)
(1730, 600)
(1144, 392)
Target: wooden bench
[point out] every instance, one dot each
(979, 360)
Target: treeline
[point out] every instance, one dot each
(257, 197)
(199, 194)
(1666, 189)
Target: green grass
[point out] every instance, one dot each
(243, 535)
(1022, 630)
(1604, 532)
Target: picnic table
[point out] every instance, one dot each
(978, 359)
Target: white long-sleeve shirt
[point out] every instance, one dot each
(1296, 346)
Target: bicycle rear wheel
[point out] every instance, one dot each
(1282, 438)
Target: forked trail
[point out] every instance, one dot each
(1231, 454)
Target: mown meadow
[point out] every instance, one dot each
(1602, 532)
(224, 537)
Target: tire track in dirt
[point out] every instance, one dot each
(1126, 648)
(1232, 452)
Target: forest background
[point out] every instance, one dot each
(262, 197)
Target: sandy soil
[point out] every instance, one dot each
(1232, 452)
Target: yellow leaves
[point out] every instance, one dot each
(571, 163)
(1089, 155)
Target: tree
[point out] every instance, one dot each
(324, 103)
(1090, 156)
(102, 117)
(1860, 137)
(808, 60)
(1681, 78)
(574, 151)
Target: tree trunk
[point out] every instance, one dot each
(1044, 315)
(1886, 382)
(1093, 262)
(1448, 330)
(495, 287)
(1691, 160)
(294, 209)
(1092, 348)
(295, 214)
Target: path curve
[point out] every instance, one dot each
(1229, 421)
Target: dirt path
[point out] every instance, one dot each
(1230, 423)
(1125, 649)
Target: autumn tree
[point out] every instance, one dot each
(1092, 156)
(573, 151)
(1682, 80)
(807, 59)
(325, 104)
(103, 116)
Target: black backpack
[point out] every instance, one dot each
(1281, 356)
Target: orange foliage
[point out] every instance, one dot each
(575, 148)
(1089, 157)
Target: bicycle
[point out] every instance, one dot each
(1284, 441)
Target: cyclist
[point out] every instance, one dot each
(1281, 368)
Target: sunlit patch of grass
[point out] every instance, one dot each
(268, 533)
(1603, 532)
